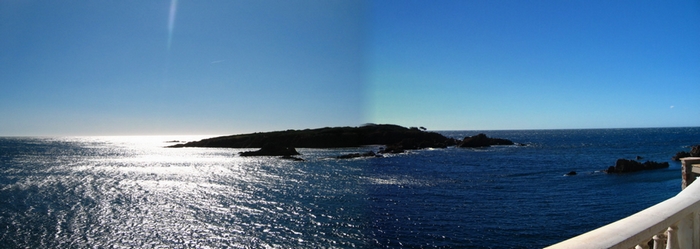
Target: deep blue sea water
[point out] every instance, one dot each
(126, 192)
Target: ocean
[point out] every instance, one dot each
(132, 192)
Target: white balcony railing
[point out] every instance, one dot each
(671, 224)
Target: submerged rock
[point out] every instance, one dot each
(626, 166)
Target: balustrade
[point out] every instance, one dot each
(671, 224)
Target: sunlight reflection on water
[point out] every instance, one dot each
(133, 192)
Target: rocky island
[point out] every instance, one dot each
(330, 137)
(481, 140)
(396, 139)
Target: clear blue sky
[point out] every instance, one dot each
(226, 67)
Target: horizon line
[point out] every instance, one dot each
(428, 130)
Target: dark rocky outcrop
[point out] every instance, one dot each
(293, 158)
(681, 154)
(481, 140)
(357, 155)
(272, 150)
(694, 152)
(336, 137)
(626, 166)
(392, 149)
(571, 173)
(416, 144)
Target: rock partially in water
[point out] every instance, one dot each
(694, 152)
(416, 144)
(293, 158)
(626, 166)
(392, 149)
(571, 173)
(272, 150)
(357, 155)
(481, 140)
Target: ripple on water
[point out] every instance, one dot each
(132, 192)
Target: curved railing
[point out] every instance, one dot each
(673, 223)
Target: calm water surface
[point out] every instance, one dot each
(124, 192)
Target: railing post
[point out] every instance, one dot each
(659, 241)
(688, 175)
(672, 242)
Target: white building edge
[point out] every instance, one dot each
(672, 224)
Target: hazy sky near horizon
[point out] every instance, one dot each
(226, 67)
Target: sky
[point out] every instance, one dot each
(227, 67)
